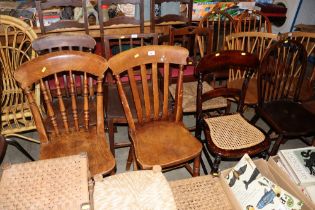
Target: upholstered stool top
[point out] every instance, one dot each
(60, 183)
(190, 95)
(146, 189)
(233, 132)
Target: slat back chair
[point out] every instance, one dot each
(308, 41)
(170, 17)
(253, 20)
(41, 6)
(73, 135)
(228, 135)
(118, 20)
(280, 78)
(115, 44)
(15, 49)
(223, 25)
(253, 42)
(158, 135)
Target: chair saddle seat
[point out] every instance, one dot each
(290, 117)
(233, 132)
(174, 145)
(190, 95)
(76, 142)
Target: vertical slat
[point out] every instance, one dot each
(166, 91)
(179, 96)
(50, 110)
(61, 104)
(135, 94)
(99, 107)
(73, 102)
(85, 101)
(156, 101)
(146, 94)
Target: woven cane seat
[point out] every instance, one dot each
(233, 132)
(203, 192)
(147, 189)
(190, 95)
(60, 183)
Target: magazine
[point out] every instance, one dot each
(254, 191)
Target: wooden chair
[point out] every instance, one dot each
(308, 41)
(49, 4)
(223, 25)
(154, 19)
(119, 19)
(280, 79)
(253, 20)
(74, 135)
(228, 135)
(253, 42)
(157, 139)
(15, 49)
(115, 44)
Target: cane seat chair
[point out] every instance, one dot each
(15, 49)
(228, 135)
(74, 135)
(58, 42)
(115, 44)
(280, 79)
(253, 20)
(41, 6)
(158, 135)
(223, 25)
(161, 18)
(253, 42)
(308, 41)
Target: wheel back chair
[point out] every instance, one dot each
(15, 49)
(69, 136)
(280, 79)
(158, 135)
(253, 20)
(228, 135)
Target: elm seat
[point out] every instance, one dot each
(190, 95)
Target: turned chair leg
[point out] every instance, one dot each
(111, 133)
(196, 167)
(276, 145)
(216, 163)
(130, 158)
(20, 148)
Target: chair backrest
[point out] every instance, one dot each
(41, 6)
(58, 42)
(49, 66)
(157, 19)
(218, 65)
(15, 48)
(308, 41)
(253, 20)
(150, 58)
(282, 72)
(222, 24)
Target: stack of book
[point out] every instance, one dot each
(299, 164)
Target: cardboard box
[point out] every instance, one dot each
(275, 174)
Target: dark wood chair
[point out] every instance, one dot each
(280, 79)
(41, 6)
(158, 19)
(253, 42)
(74, 135)
(115, 44)
(118, 20)
(228, 135)
(158, 134)
(253, 20)
(223, 25)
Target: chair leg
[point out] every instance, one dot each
(111, 136)
(276, 145)
(20, 148)
(216, 163)
(254, 119)
(196, 167)
(130, 159)
(203, 166)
